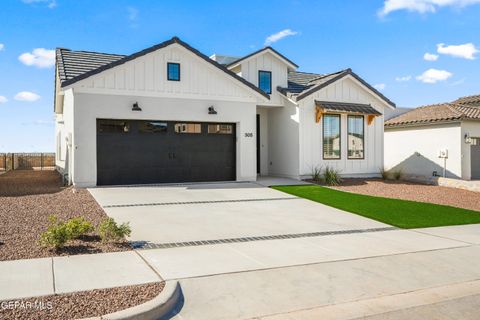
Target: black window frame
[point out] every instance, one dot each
(179, 71)
(339, 116)
(270, 75)
(363, 135)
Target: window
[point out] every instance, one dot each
(188, 128)
(220, 128)
(265, 81)
(173, 71)
(113, 126)
(331, 136)
(153, 127)
(356, 137)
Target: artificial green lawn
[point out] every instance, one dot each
(399, 213)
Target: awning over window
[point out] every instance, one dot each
(323, 107)
(345, 107)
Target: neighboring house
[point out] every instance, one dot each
(415, 140)
(171, 114)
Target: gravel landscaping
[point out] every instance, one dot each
(28, 198)
(413, 191)
(80, 304)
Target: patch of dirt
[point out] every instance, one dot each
(28, 198)
(413, 191)
(80, 304)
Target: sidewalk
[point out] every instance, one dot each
(47, 276)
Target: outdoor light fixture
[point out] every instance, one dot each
(135, 107)
(468, 140)
(211, 110)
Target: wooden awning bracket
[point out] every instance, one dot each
(370, 118)
(318, 114)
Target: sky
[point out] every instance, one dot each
(415, 52)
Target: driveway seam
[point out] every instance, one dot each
(442, 237)
(53, 276)
(149, 265)
(148, 245)
(193, 202)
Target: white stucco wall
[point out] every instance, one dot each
(471, 128)
(311, 145)
(415, 150)
(283, 143)
(89, 107)
(63, 130)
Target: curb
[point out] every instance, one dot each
(159, 307)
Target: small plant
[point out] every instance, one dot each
(384, 173)
(110, 231)
(317, 174)
(56, 235)
(79, 226)
(398, 174)
(331, 176)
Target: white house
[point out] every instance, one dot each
(436, 140)
(171, 114)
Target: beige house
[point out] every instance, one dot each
(436, 140)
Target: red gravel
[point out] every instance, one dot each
(413, 191)
(28, 198)
(81, 304)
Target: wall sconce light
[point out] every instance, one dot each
(468, 140)
(211, 110)
(135, 107)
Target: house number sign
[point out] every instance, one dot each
(248, 134)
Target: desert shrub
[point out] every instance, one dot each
(331, 176)
(110, 231)
(384, 173)
(398, 174)
(79, 226)
(56, 235)
(317, 174)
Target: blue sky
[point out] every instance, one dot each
(385, 42)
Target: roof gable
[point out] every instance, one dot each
(87, 65)
(252, 55)
(309, 84)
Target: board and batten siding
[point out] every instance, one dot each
(311, 144)
(267, 62)
(147, 76)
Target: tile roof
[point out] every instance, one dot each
(465, 108)
(347, 107)
(74, 66)
(74, 63)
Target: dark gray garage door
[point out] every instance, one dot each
(141, 152)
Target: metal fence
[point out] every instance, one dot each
(27, 161)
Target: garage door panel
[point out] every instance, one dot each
(152, 152)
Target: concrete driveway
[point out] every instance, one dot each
(186, 213)
(244, 251)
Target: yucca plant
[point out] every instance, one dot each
(331, 176)
(317, 174)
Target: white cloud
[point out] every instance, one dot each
(39, 57)
(421, 6)
(49, 3)
(27, 96)
(404, 78)
(458, 82)
(434, 75)
(278, 36)
(465, 51)
(430, 57)
(2, 47)
(379, 86)
(3, 99)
